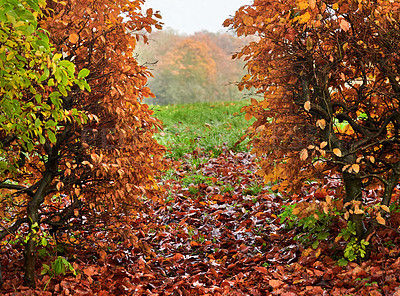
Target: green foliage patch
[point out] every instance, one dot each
(201, 127)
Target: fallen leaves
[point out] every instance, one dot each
(214, 239)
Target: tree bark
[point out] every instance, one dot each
(33, 216)
(1, 278)
(353, 187)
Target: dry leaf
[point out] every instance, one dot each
(344, 25)
(275, 284)
(323, 145)
(309, 44)
(385, 208)
(356, 168)
(337, 152)
(303, 154)
(380, 220)
(321, 124)
(73, 38)
(307, 106)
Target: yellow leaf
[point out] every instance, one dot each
(337, 152)
(385, 208)
(303, 154)
(305, 18)
(356, 168)
(307, 106)
(73, 38)
(303, 4)
(372, 159)
(335, 6)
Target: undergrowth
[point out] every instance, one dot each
(203, 127)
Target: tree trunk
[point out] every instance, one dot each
(1, 278)
(352, 185)
(33, 216)
(30, 261)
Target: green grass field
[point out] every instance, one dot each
(205, 127)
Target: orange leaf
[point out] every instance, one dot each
(303, 154)
(337, 152)
(248, 116)
(380, 220)
(275, 283)
(344, 25)
(178, 256)
(73, 38)
(261, 269)
(307, 106)
(303, 4)
(321, 124)
(90, 271)
(311, 3)
(323, 145)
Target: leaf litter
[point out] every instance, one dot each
(220, 235)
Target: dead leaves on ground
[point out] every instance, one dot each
(220, 238)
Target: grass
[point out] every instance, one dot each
(201, 127)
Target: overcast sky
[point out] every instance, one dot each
(190, 16)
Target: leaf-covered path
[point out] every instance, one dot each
(218, 233)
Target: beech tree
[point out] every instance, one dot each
(329, 75)
(70, 156)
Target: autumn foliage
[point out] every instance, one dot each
(98, 158)
(195, 68)
(328, 72)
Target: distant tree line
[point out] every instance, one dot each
(195, 68)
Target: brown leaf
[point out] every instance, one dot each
(90, 271)
(275, 283)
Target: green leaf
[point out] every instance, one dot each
(315, 244)
(83, 73)
(43, 242)
(45, 269)
(33, 4)
(59, 266)
(51, 136)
